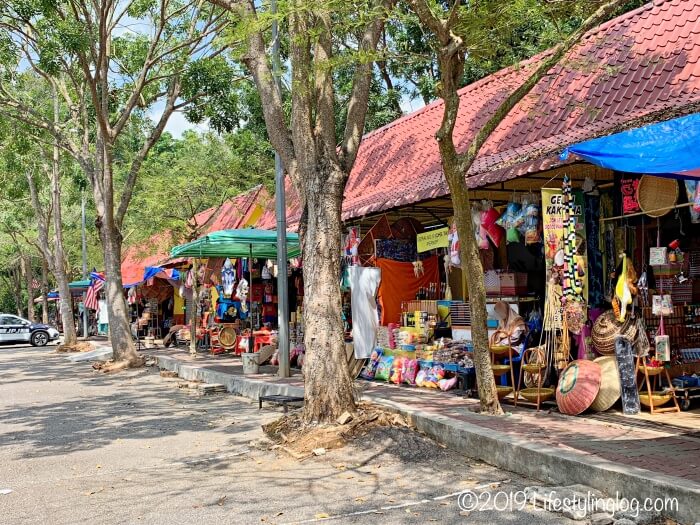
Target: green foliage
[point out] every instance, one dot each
(184, 177)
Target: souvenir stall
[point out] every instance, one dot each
(626, 326)
(232, 283)
(409, 310)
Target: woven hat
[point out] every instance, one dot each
(657, 195)
(609, 384)
(606, 329)
(578, 386)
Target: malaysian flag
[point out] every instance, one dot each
(96, 284)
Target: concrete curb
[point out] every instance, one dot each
(524, 457)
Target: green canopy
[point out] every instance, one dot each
(261, 244)
(79, 284)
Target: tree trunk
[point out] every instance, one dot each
(474, 272)
(26, 265)
(327, 382)
(119, 330)
(17, 285)
(44, 291)
(66, 302)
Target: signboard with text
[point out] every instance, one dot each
(433, 239)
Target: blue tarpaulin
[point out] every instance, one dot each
(152, 271)
(666, 148)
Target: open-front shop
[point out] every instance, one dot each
(593, 290)
(231, 278)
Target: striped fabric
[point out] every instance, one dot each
(91, 296)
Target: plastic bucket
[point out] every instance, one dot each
(250, 363)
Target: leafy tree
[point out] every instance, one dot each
(108, 77)
(456, 28)
(182, 178)
(317, 163)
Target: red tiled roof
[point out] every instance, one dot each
(642, 65)
(235, 213)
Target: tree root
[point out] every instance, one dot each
(112, 367)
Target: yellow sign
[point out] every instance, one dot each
(433, 239)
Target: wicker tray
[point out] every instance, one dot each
(659, 398)
(530, 394)
(651, 370)
(656, 195)
(499, 370)
(499, 349)
(503, 391)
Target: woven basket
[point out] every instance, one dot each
(659, 398)
(530, 394)
(651, 370)
(578, 386)
(499, 349)
(607, 329)
(656, 195)
(609, 391)
(503, 391)
(499, 370)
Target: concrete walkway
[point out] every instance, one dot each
(642, 457)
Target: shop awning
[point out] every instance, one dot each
(261, 244)
(666, 148)
(76, 285)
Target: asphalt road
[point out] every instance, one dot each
(77, 446)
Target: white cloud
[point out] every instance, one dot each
(178, 124)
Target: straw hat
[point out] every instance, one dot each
(656, 193)
(578, 386)
(606, 329)
(609, 384)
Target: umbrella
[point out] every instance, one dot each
(249, 242)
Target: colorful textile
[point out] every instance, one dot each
(400, 284)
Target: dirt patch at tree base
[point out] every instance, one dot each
(111, 367)
(82, 346)
(301, 440)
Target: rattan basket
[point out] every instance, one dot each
(503, 391)
(651, 370)
(659, 398)
(499, 349)
(499, 370)
(657, 195)
(530, 394)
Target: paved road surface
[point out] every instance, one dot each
(77, 446)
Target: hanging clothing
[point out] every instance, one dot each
(228, 277)
(364, 283)
(399, 284)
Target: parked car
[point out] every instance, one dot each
(14, 329)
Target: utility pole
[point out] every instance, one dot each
(281, 213)
(85, 270)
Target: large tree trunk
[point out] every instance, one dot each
(26, 265)
(328, 385)
(44, 291)
(117, 312)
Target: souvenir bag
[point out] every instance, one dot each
(370, 368)
(409, 371)
(384, 368)
(397, 370)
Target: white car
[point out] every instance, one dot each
(14, 329)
